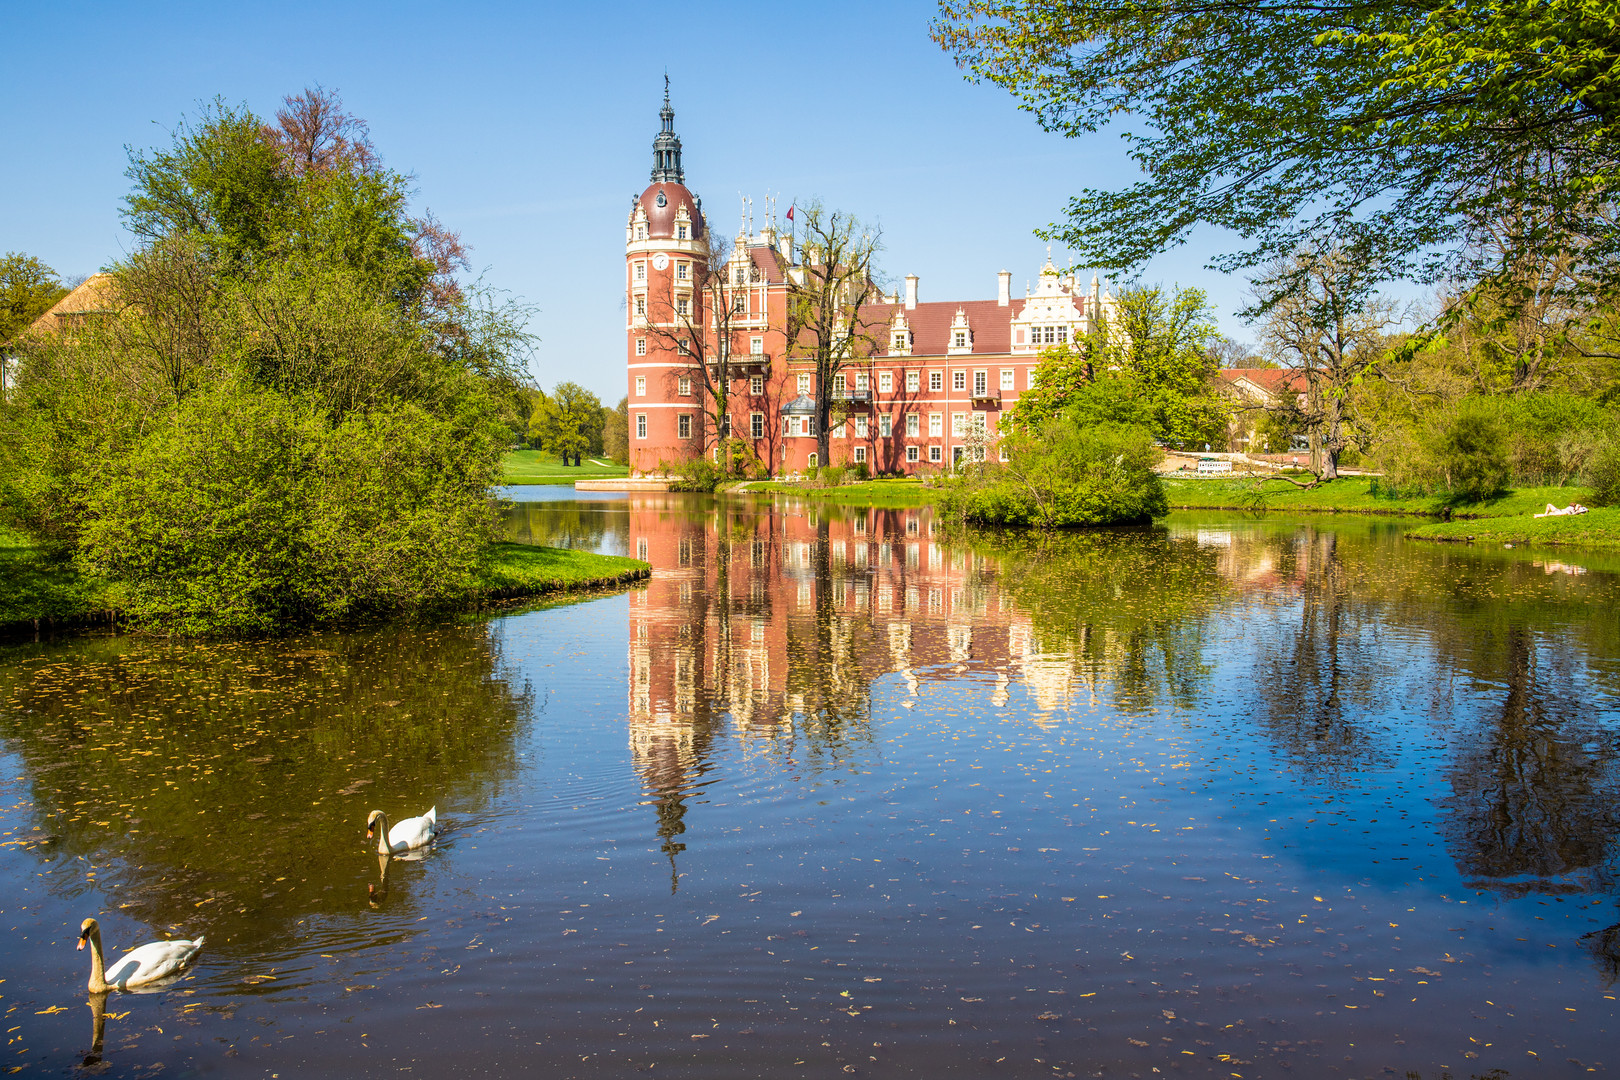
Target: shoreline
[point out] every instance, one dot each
(45, 594)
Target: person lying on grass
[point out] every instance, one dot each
(1553, 511)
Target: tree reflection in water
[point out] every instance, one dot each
(776, 622)
(223, 786)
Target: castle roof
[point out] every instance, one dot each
(661, 201)
(931, 325)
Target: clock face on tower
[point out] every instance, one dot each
(660, 261)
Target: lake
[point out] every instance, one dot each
(837, 792)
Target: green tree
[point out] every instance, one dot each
(290, 359)
(1147, 364)
(568, 422)
(616, 431)
(28, 288)
(1408, 124)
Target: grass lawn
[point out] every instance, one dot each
(528, 570)
(881, 493)
(539, 467)
(1598, 528)
(1352, 495)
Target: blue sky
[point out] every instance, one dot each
(528, 127)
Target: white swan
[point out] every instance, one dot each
(152, 962)
(408, 835)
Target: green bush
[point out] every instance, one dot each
(248, 510)
(1603, 472)
(1471, 452)
(1064, 475)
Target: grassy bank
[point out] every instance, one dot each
(36, 589)
(879, 493)
(1354, 495)
(526, 570)
(539, 467)
(1596, 529)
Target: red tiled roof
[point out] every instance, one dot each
(769, 263)
(931, 325)
(1271, 380)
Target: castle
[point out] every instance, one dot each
(929, 392)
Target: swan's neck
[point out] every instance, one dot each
(98, 967)
(382, 835)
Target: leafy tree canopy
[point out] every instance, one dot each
(27, 290)
(1409, 124)
(1147, 364)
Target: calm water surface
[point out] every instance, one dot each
(834, 795)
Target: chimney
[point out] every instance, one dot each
(911, 291)
(785, 245)
(1004, 288)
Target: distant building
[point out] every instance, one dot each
(1253, 391)
(932, 392)
(94, 297)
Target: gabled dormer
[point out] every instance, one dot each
(899, 334)
(960, 339)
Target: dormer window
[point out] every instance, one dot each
(959, 339)
(739, 302)
(641, 231)
(900, 343)
(680, 232)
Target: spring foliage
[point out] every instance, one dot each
(1064, 475)
(294, 411)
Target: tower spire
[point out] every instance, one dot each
(667, 146)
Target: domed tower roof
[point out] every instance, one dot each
(667, 194)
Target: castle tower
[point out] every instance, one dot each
(665, 249)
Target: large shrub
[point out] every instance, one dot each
(292, 411)
(1471, 452)
(296, 519)
(1064, 475)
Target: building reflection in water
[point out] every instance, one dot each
(774, 622)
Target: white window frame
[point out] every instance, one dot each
(641, 346)
(683, 386)
(958, 381)
(936, 382)
(756, 346)
(640, 271)
(981, 383)
(936, 454)
(885, 425)
(804, 385)
(936, 425)
(641, 386)
(913, 455)
(913, 423)
(756, 425)
(885, 382)
(683, 426)
(913, 381)
(641, 425)
(1007, 379)
(756, 385)
(860, 455)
